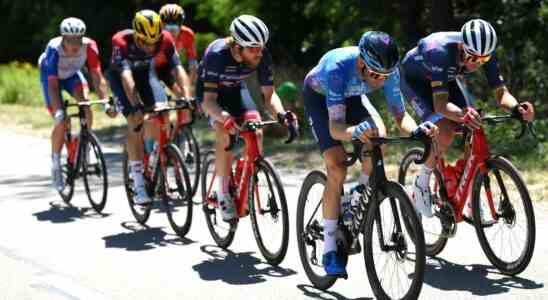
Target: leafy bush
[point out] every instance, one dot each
(20, 84)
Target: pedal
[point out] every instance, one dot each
(355, 247)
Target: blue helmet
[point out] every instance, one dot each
(379, 51)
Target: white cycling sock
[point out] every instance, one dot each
(137, 172)
(363, 179)
(56, 160)
(222, 185)
(329, 239)
(423, 179)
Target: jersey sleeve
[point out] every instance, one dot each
(264, 72)
(335, 85)
(213, 67)
(491, 69)
(52, 62)
(437, 59)
(94, 64)
(393, 95)
(119, 59)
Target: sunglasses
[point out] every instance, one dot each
(172, 27)
(254, 50)
(475, 59)
(375, 75)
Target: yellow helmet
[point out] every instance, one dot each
(147, 26)
(172, 14)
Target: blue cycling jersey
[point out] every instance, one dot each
(436, 61)
(337, 77)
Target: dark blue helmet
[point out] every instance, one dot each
(379, 51)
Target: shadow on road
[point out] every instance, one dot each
(142, 237)
(236, 268)
(63, 213)
(445, 275)
(315, 293)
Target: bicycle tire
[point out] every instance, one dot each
(101, 169)
(192, 158)
(276, 256)
(506, 267)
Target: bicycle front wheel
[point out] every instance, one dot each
(503, 216)
(69, 172)
(177, 191)
(95, 173)
(222, 232)
(394, 253)
(268, 210)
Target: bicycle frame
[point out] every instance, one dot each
(475, 162)
(241, 188)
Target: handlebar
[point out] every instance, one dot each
(180, 104)
(358, 152)
(254, 126)
(526, 127)
(89, 102)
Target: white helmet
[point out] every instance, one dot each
(72, 26)
(479, 37)
(249, 31)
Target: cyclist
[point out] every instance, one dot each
(61, 68)
(135, 84)
(224, 95)
(338, 110)
(173, 16)
(431, 83)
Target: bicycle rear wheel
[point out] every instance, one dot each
(190, 150)
(394, 253)
(140, 212)
(507, 237)
(69, 175)
(434, 239)
(222, 232)
(310, 230)
(268, 210)
(177, 192)
(94, 173)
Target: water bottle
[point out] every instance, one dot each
(346, 211)
(153, 158)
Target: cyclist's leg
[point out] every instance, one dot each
(168, 77)
(230, 101)
(78, 88)
(334, 155)
(57, 132)
(152, 93)
(134, 146)
(248, 111)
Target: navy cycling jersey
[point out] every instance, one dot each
(219, 70)
(436, 61)
(337, 78)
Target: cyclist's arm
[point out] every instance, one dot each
(405, 123)
(396, 105)
(212, 108)
(272, 101)
(94, 67)
(338, 129)
(444, 107)
(191, 55)
(129, 86)
(52, 63)
(54, 92)
(505, 98)
(182, 80)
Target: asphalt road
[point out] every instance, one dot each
(52, 251)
